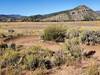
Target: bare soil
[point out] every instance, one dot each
(29, 41)
(63, 70)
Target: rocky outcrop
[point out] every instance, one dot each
(79, 13)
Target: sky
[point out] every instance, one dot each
(34, 7)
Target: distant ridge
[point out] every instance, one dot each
(98, 12)
(10, 18)
(79, 13)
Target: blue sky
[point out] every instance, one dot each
(33, 7)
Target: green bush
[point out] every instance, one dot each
(31, 61)
(54, 33)
(72, 48)
(10, 57)
(37, 57)
(72, 33)
(90, 37)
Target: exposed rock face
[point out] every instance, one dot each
(79, 13)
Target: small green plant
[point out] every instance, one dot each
(54, 33)
(31, 62)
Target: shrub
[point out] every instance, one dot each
(72, 33)
(31, 62)
(54, 33)
(3, 46)
(10, 57)
(72, 48)
(10, 70)
(34, 58)
(98, 40)
(92, 70)
(60, 58)
(13, 46)
(90, 37)
(39, 58)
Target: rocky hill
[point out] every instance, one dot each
(79, 13)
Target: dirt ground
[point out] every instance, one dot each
(29, 41)
(64, 70)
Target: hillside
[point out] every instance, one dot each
(10, 18)
(98, 12)
(79, 13)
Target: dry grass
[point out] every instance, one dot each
(36, 28)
